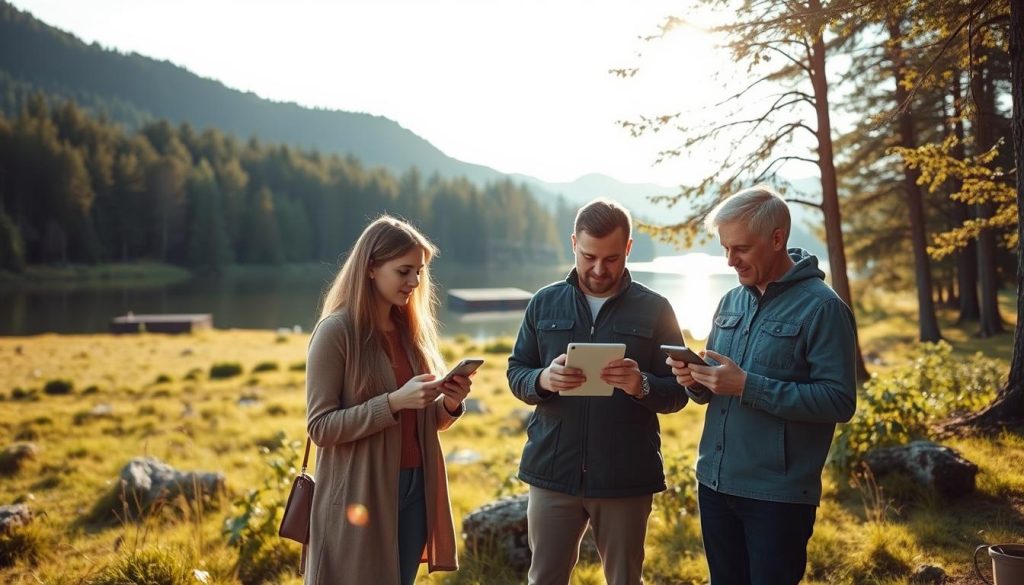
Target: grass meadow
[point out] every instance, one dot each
(154, 395)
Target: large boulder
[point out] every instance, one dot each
(500, 527)
(147, 480)
(14, 517)
(928, 463)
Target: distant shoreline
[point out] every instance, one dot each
(149, 273)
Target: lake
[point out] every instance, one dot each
(263, 300)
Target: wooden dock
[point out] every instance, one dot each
(184, 323)
(488, 299)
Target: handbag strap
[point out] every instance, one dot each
(305, 458)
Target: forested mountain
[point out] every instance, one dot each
(77, 189)
(133, 89)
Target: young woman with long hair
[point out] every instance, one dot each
(374, 408)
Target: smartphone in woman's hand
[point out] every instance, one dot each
(464, 368)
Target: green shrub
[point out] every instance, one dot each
(225, 370)
(162, 379)
(193, 374)
(499, 346)
(680, 497)
(265, 367)
(899, 406)
(252, 529)
(90, 390)
(151, 566)
(59, 387)
(448, 354)
(298, 366)
(21, 544)
(276, 410)
(30, 395)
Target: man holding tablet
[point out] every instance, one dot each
(590, 457)
(783, 348)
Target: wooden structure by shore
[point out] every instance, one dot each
(183, 323)
(488, 299)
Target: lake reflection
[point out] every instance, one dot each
(264, 300)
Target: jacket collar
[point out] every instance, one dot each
(573, 278)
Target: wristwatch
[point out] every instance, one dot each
(645, 387)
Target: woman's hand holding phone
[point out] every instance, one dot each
(456, 384)
(418, 392)
(455, 391)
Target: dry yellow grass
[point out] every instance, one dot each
(200, 424)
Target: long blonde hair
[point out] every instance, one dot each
(352, 292)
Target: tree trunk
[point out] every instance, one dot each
(991, 321)
(829, 184)
(966, 263)
(1008, 407)
(928, 325)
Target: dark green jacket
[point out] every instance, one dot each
(595, 446)
(797, 344)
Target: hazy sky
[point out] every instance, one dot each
(521, 86)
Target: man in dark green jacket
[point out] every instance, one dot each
(784, 345)
(594, 459)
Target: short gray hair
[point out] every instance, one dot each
(761, 208)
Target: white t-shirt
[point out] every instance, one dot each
(595, 306)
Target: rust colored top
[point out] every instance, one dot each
(411, 456)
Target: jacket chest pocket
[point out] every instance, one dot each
(775, 346)
(726, 325)
(637, 338)
(553, 337)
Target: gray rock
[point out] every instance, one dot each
(928, 575)
(929, 464)
(14, 517)
(147, 480)
(522, 417)
(475, 406)
(501, 527)
(463, 456)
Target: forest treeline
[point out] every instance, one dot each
(75, 188)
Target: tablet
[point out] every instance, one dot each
(592, 358)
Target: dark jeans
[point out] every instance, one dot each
(754, 542)
(412, 523)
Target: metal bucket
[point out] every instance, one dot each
(1007, 563)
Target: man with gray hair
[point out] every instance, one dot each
(783, 345)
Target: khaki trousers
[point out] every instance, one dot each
(556, 523)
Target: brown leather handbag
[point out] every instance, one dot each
(295, 523)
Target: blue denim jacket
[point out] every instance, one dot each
(797, 344)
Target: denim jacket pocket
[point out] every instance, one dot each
(776, 344)
(726, 325)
